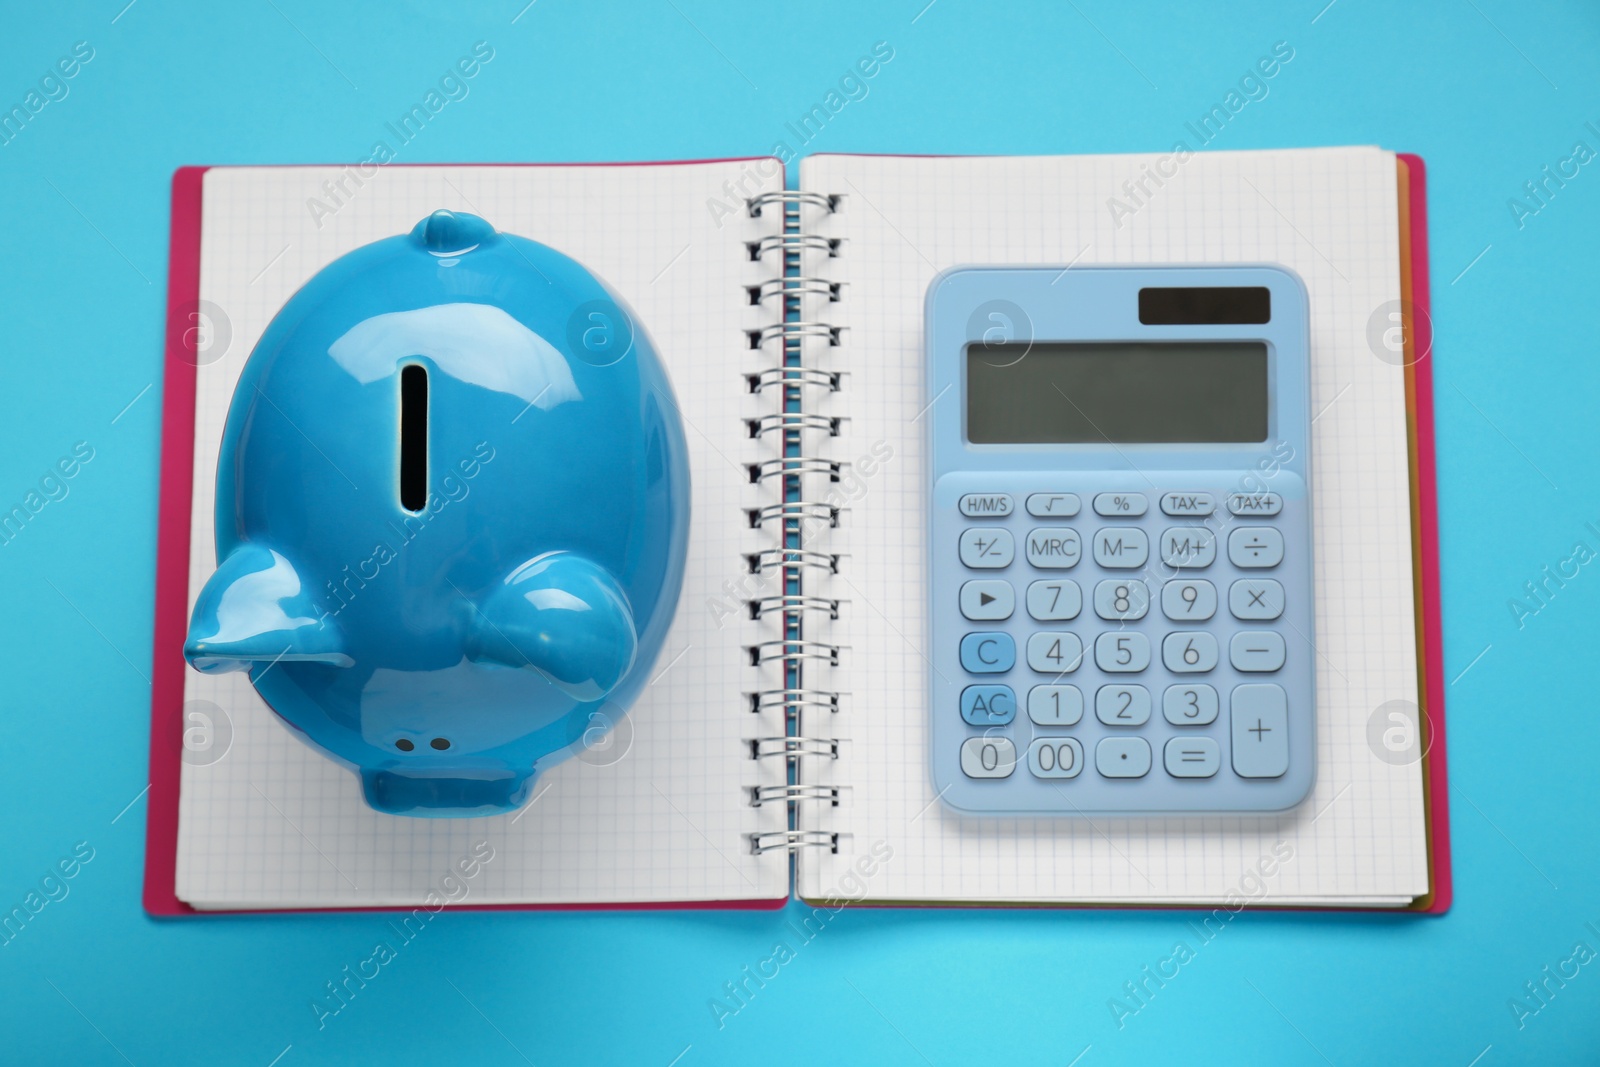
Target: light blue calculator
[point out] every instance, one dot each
(1119, 552)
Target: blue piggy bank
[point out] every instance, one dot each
(451, 516)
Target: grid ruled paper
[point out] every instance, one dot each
(273, 824)
(1329, 214)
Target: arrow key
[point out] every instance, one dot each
(988, 600)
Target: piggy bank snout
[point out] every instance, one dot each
(410, 794)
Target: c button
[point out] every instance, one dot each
(988, 653)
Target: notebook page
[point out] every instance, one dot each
(1330, 215)
(660, 811)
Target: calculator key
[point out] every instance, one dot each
(1054, 652)
(1054, 599)
(1122, 653)
(1189, 600)
(985, 505)
(1260, 716)
(1189, 705)
(1055, 705)
(1188, 546)
(1122, 705)
(1255, 546)
(1255, 598)
(988, 599)
(1055, 757)
(1120, 505)
(1121, 599)
(1053, 505)
(1122, 757)
(985, 547)
(1247, 504)
(988, 653)
(1193, 757)
(1256, 650)
(1054, 548)
(988, 705)
(1189, 652)
(1117, 548)
(988, 757)
(1183, 504)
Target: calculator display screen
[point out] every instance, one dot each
(1173, 392)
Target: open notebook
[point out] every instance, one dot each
(781, 746)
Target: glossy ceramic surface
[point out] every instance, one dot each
(449, 650)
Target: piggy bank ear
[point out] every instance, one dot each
(256, 610)
(563, 616)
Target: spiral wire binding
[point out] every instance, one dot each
(793, 377)
(780, 558)
(763, 605)
(793, 840)
(767, 794)
(789, 561)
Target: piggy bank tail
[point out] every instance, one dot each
(563, 616)
(256, 610)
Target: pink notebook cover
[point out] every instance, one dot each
(172, 568)
(1433, 682)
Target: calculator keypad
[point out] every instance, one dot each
(1193, 757)
(1189, 652)
(1121, 548)
(1190, 600)
(1188, 546)
(1120, 505)
(1255, 546)
(1121, 599)
(1055, 705)
(1198, 505)
(988, 705)
(1122, 757)
(1122, 653)
(988, 653)
(1260, 731)
(1054, 600)
(1190, 705)
(1053, 505)
(1054, 652)
(1149, 644)
(1054, 549)
(1257, 651)
(987, 548)
(988, 600)
(988, 757)
(1255, 598)
(1055, 757)
(1122, 705)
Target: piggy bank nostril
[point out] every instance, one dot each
(439, 743)
(404, 745)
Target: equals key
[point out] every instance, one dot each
(1192, 757)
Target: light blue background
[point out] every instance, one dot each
(1488, 91)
